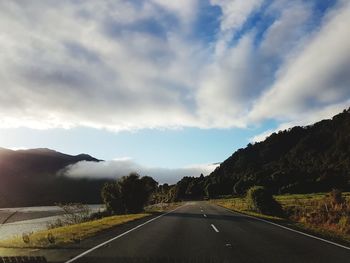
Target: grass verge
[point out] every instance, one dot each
(239, 205)
(69, 234)
(162, 207)
(301, 211)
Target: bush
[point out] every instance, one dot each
(129, 194)
(260, 200)
(111, 196)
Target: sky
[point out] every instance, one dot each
(167, 87)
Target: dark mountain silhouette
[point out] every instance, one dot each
(36, 162)
(30, 177)
(307, 159)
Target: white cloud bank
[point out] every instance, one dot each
(125, 65)
(117, 168)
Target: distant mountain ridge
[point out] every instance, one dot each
(31, 177)
(300, 159)
(314, 158)
(36, 162)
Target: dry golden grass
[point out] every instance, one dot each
(320, 212)
(240, 205)
(162, 207)
(316, 212)
(69, 234)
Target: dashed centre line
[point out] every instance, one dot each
(215, 229)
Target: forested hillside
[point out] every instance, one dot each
(307, 159)
(29, 177)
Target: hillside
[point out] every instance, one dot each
(29, 177)
(36, 162)
(307, 159)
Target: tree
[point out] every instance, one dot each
(112, 198)
(129, 194)
(211, 190)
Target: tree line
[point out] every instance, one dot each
(309, 159)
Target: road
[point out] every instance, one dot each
(202, 232)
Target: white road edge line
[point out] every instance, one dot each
(215, 229)
(119, 236)
(290, 229)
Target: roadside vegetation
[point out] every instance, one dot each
(162, 207)
(68, 234)
(129, 198)
(261, 200)
(130, 194)
(73, 213)
(327, 214)
(308, 159)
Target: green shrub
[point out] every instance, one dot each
(129, 194)
(260, 200)
(111, 196)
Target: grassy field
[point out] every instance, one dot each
(317, 213)
(69, 234)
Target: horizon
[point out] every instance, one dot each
(165, 86)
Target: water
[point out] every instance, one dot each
(43, 208)
(16, 221)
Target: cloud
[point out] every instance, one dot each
(124, 166)
(315, 77)
(234, 15)
(237, 77)
(184, 9)
(126, 65)
(304, 119)
(262, 136)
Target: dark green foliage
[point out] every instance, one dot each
(112, 198)
(189, 188)
(163, 194)
(211, 190)
(260, 200)
(314, 158)
(129, 194)
(241, 187)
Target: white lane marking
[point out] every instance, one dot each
(119, 236)
(215, 229)
(290, 229)
(204, 215)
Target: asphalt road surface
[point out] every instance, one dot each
(202, 232)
